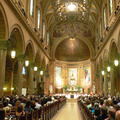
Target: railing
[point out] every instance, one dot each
(86, 113)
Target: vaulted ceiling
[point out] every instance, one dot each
(68, 23)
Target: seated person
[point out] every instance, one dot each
(20, 110)
(27, 107)
(103, 113)
(2, 114)
(117, 115)
(6, 107)
(111, 114)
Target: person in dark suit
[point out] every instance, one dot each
(103, 114)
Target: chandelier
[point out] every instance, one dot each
(71, 10)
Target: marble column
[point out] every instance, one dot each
(105, 85)
(52, 71)
(101, 85)
(47, 85)
(19, 75)
(92, 74)
(30, 79)
(3, 46)
(112, 78)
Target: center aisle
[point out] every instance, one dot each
(69, 112)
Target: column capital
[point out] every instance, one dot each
(92, 59)
(20, 57)
(52, 59)
(3, 44)
(31, 65)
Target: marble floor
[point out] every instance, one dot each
(69, 112)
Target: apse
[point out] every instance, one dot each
(72, 50)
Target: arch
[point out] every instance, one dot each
(113, 51)
(17, 40)
(4, 28)
(38, 59)
(20, 33)
(105, 57)
(43, 64)
(59, 40)
(30, 50)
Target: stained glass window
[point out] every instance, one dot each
(58, 77)
(111, 6)
(104, 17)
(87, 76)
(31, 7)
(38, 18)
(47, 38)
(43, 29)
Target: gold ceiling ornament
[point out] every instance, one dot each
(71, 10)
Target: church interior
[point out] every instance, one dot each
(61, 55)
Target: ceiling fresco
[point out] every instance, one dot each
(63, 22)
(72, 29)
(72, 50)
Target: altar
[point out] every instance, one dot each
(72, 93)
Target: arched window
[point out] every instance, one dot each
(111, 6)
(104, 13)
(31, 7)
(47, 38)
(38, 18)
(43, 29)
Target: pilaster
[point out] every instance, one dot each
(3, 48)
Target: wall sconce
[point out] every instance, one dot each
(108, 68)
(103, 72)
(41, 40)
(4, 88)
(107, 28)
(116, 62)
(35, 68)
(13, 54)
(12, 88)
(41, 72)
(101, 39)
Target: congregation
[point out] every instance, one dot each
(100, 108)
(28, 107)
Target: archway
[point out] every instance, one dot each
(28, 77)
(37, 73)
(114, 74)
(14, 43)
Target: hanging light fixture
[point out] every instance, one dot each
(13, 54)
(26, 63)
(41, 72)
(12, 88)
(108, 68)
(103, 72)
(71, 7)
(35, 68)
(116, 62)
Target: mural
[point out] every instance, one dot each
(58, 77)
(72, 76)
(87, 76)
(72, 28)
